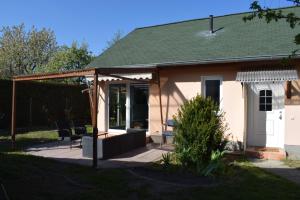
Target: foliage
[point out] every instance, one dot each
(69, 58)
(36, 51)
(116, 37)
(274, 15)
(21, 51)
(166, 159)
(199, 132)
(215, 164)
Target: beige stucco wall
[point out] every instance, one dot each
(179, 85)
(292, 122)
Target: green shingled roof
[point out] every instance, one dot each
(190, 41)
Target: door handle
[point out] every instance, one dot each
(280, 115)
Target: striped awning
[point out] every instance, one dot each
(142, 76)
(267, 76)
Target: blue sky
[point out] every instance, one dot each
(96, 21)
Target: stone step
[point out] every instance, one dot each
(266, 153)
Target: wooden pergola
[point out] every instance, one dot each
(94, 72)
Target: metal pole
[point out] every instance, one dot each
(94, 120)
(13, 115)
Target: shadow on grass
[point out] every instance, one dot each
(30, 177)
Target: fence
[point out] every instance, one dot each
(42, 103)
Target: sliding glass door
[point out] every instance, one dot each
(135, 114)
(117, 106)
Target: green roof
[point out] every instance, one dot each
(191, 41)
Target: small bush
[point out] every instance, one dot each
(166, 159)
(215, 164)
(199, 132)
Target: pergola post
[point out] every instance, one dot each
(94, 120)
(160, 103)
(13, 114)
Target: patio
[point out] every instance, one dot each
(61, 151)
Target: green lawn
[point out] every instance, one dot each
(29, 177)
(26, 139)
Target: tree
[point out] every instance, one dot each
(274, 15)
(68, 58)
(22, 52)
(116, 37)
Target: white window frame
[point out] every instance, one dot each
(203, 87)
(127, 105)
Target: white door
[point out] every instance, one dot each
(265, 114)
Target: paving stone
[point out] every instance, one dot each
(279, 168)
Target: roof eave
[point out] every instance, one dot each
(208, 61)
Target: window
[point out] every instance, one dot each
(265, 100)
(212, 88)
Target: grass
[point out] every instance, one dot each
(30, 177)
(293, 163)
(26, 140)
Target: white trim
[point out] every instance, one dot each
(128, 107)
(107, 117)
(140, 76)
(203, 86)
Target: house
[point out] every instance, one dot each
(144, 78)
(239, 64)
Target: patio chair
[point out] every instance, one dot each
(64, 130)
(166, 133)
(80, 129)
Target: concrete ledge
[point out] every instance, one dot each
(156, 138)
(87, 147)
(293, 151)
(114, 145)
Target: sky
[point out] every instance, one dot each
(96, 21)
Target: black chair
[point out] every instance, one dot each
(80, 129)
(64, 130)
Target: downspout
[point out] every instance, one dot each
(160, 102)
(245, 91)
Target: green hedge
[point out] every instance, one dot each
(49, 102)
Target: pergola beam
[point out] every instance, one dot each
(61, 75)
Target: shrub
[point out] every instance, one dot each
(167, 159)
(215, 164)
(199, 131)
